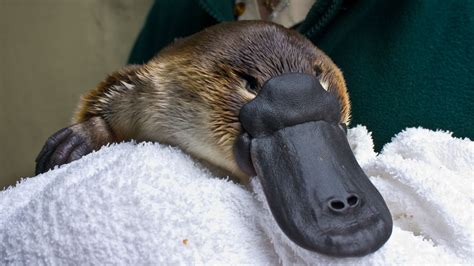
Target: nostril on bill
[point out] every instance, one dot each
(352, 200)
(337, 205)
(340, 206)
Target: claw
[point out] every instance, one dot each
(63, 150)
(62, 147)
(55, 138)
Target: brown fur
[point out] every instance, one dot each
(190, 94)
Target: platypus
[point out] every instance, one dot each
(255, 99)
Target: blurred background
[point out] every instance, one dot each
(51, 52)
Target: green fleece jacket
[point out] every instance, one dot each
(407, 63)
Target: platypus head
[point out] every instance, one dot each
(268, 103)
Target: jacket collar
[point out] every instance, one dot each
(318, 18)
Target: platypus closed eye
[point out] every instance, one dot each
(251, 83)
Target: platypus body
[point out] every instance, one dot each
(254, 99)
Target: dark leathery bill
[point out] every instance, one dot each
(316, 190)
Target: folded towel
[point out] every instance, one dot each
(151, 204)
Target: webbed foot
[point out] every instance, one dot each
(62, 147)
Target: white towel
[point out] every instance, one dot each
(151, 204)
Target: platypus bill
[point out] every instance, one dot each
(252, 98)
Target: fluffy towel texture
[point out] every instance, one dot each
(151, 204)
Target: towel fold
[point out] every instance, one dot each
(150, 204)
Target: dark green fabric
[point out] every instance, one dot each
(407, 62)
(171, 19)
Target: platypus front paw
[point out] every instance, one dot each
(62, 147)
